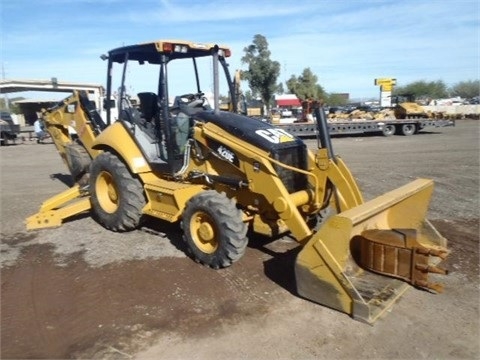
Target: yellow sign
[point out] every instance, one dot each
(385, 81)
(386, 87)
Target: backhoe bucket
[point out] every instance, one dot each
(362, 260)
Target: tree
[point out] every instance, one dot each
(280, 89)
(422, 89)
(336, 100)
(466, 89)
(305, 86)
(262, 73)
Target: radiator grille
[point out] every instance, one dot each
(296, 157)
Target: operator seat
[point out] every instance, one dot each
(148, 105)
(151, 126)
(150, 111)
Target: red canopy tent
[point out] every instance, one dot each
(288, 102)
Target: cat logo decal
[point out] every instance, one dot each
(276, 136)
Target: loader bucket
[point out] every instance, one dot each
(331, 269)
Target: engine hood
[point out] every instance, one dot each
(255, 132)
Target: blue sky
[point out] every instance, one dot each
(347, 44)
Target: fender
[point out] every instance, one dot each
(118, 138)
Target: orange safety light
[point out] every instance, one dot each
(167, 47)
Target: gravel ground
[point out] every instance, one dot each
(80, 291)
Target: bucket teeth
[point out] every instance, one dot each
(431, 269)
(398, 253)
(441, 253)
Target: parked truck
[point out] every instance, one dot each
(8, 129)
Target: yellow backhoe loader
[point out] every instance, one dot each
(219, 173)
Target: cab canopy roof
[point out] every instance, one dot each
(175, 49)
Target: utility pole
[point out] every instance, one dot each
(7, 102)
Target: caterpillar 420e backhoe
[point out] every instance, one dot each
(218, 173)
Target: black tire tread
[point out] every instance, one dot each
(388, 131)
(79, 162)
(129, 214)
(406, 130)
(228, 217)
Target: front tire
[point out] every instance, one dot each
(213, 230)
(117, 197)
(389, 130)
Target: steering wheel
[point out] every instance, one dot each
(190, 100)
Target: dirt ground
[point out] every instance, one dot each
(80, 291)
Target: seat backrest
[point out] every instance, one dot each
(148, 105)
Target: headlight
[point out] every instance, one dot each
(180, 48)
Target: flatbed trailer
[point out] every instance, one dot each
(404, 127)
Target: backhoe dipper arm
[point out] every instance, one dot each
(73, 113)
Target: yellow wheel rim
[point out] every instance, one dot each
(107, 193)
(203, 232)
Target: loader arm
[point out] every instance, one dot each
(346, 193)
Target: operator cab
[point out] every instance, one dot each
(161, 124)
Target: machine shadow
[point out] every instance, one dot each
(170, 231)
(64, 178)
(280, 268)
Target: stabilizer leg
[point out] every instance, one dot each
(54, 210)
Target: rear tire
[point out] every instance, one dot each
(408, 129)
(78, 161)
(213, 230)
(117, 197)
